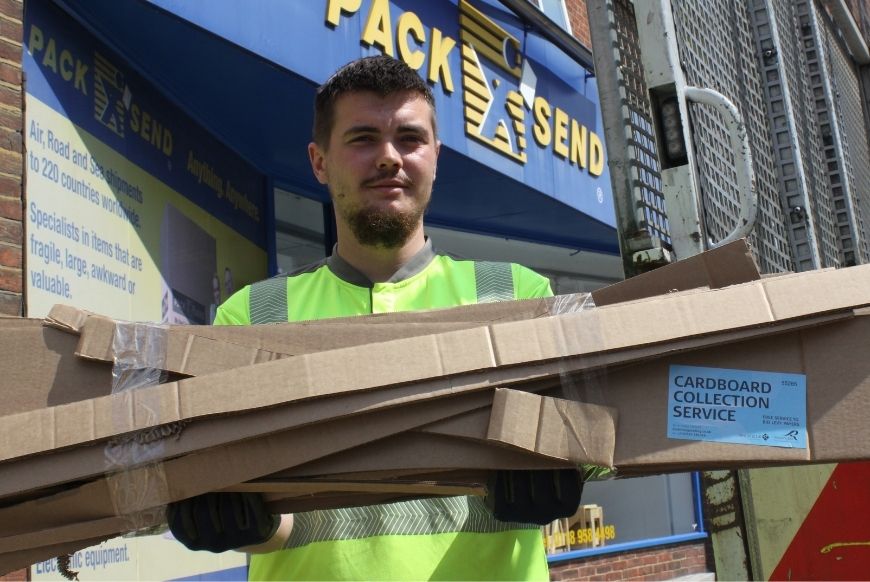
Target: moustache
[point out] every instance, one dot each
(383, 175)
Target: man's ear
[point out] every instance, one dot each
(318, 163)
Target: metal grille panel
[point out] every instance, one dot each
(794, 49)
(791, 76)
(716, 49)
(651, 214)
(851, 185)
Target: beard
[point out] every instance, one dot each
(388, 229)
(380, 227)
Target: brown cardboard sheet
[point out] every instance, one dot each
(421, 451)
(63, 465)
(303, 488)
(838, 400)
(60, 517)
(729, 264)
(23, 476)
(40, 369)
(482, 349)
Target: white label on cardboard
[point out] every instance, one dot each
(737, 406)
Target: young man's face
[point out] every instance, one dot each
(379, 165)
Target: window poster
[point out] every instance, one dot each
(132, 210)
(135, 212)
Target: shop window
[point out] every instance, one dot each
(569, 270)
(299, 231)
(621, 512)
(555, 10)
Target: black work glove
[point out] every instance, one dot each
(218, 522)
(539, 496)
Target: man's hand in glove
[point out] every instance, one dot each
(218, 522)
(539, 496)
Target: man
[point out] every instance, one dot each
(376, 149)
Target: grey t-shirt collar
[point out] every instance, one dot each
(345, 271)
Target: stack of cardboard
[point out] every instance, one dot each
(379, 408)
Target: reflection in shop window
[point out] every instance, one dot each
(299, 231)
(619, 511)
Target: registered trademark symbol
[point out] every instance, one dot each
(599, 193)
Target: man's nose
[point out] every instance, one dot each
(389, 157)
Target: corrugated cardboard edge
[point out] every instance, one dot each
(729, 264)
(67, 317)
(554, 427)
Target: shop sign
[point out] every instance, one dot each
(499, 117)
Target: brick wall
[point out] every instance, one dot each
(17, 576)
(662, 563)
(11, 172)
(579, 21)
(11, 160)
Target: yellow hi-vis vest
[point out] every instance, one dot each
(453, 538)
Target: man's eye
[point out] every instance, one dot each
(361, 139)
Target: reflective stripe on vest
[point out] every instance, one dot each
(495, 281)
(268, 299)
(415, 517)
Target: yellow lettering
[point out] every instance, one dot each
(50, 58)
(410, 25)
(378, 31)
(578, 143)
(167, 142)
(156, 134)
(560, 130)
(439, 50)
(134, 118)
(35, 44)
(79, 83)
(66, 61)
(334, 8)
(146, 126)
(596, 155)
(541, 129)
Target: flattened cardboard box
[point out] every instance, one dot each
(82, 513)
(839, 400)
(51, 518)
(70, 464)
(481, 350)
(837, 404)
(223, 467)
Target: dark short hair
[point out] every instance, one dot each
(380, 74)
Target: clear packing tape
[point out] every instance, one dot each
(140, 497)
(589, 385)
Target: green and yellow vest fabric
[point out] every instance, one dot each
(452, 538)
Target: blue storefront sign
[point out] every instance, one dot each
(506, 98)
